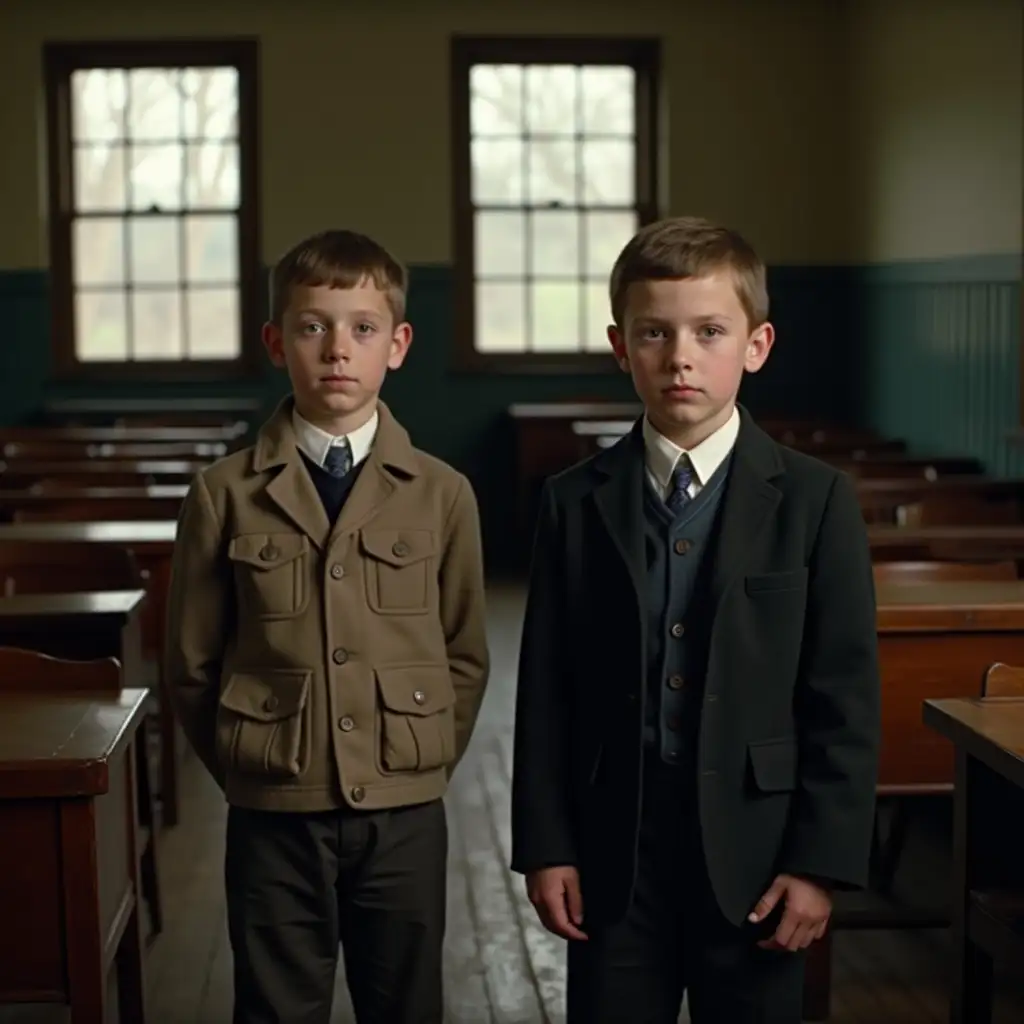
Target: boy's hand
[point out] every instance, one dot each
(555, 894)
(806, 914)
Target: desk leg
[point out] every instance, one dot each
(130, 959)
(83, 936)
(971, 983)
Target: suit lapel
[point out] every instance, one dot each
(619, 500)
(294, 493)
(748, 505)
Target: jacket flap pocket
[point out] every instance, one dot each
(774, 764)
(269, 696)
(267, 550)
(415, 689)
(399, 547)
(794, 580)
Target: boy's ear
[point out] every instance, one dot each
(273, 342)
(618, 343)
(758, 347)
(400, 342)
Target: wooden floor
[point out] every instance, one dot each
(501, 966)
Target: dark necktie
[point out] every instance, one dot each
(338, 460)
(682, 477)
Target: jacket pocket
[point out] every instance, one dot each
(398, 564)
(417, 719)
(773, 763)
(271, 573)
(263, 722)
(771, 582)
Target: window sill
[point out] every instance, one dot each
(536, 363)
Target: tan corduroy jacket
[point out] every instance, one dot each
(311, 666)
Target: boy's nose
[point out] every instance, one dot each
(335, 347)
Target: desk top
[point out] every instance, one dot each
(67, 491)
(991, 730)
(52, 606)
(903, 536)
(60, 744)
(965, 606)
(130, 532)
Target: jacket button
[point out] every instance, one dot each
(400, 548)
(340, 656)
(677, 630)
(346, 724)
(675, 682)
(674, 723)
(337, 571)
(419, 696)
(358, 793)
(270, 704)
(268, 552)
(682, 546)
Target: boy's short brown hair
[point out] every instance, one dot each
(337, 259)
(682, 247)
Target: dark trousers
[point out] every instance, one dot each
(298, 885)
(674, 938)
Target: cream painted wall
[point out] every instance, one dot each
(355, 110)
(937, 104)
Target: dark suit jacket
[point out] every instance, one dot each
(787, 753)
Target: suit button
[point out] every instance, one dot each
(675, 682)
(346, 724)
(419, 696)
(270, 704)
(337, 571)
(269, 552)
(340, 656)
(357, 794)
(682, 546)
(677, 630)
(674, 723)
(400, 549)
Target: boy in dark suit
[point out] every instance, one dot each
(697, 721)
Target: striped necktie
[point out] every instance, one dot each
(682, 477)
(338, 461)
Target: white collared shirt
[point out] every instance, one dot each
(315, 443)
(661, 455)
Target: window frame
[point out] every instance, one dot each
(60, 61)
(644, 56)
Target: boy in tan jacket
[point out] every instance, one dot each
(327, 656)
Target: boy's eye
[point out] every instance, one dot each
(365, 328)
(654, 334)
(311, 328)
(711, 331)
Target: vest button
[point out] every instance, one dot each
(357, 794)
(677, 630)
(682, 546)
(337, 571)
(340, 656)
(674, 723)
(675, 682)
(346, 724)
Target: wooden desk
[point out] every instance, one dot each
(948, 500)
(119, 472)
(152, 542)
(68, 860)
(227, 434)
(988, 904)
(955, 543)
(66, 503)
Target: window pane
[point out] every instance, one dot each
(608, 100)
(211, 249)
(154, 103)
(212, 176)
(497, 171)
(496, 99)
(499, 244)
(155, 177)
(500, 317)
(598, 315)
(154, 250)
(606, 234)
(100, 331)
(98, 251)
(156, 325)
(210, 102)
(98, 102)
(213, 323)
(556, 316)
(608, 172)
(555, 245)
(552, 172)
(99, 178)
(551, 98)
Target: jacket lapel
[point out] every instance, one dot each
(748, 505)
(619, 500)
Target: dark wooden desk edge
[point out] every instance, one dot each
(10, 611)
(1001, 761)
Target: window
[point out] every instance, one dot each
(153, 199)
(555, 168)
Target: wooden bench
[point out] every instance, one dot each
(62, 502)
(100, 472)
(946, 501)
(947, 543)
(68, 861)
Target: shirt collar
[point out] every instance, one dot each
(315, 443)
(662, 454)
